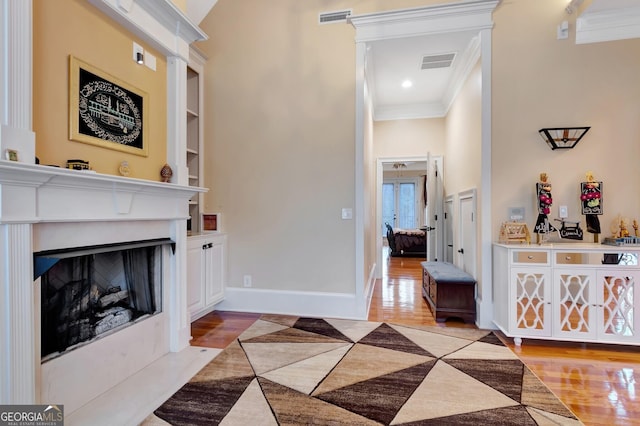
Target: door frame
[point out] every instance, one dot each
(379, 180)
(471, 15)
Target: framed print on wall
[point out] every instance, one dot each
(106, 111)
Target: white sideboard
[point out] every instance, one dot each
(576, 292)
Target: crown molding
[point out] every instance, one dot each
(610, 24)
(458, 16)
(159, 22)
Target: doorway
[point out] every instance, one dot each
(472, 18)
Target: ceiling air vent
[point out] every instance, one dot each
(437, 61)
(333, 17)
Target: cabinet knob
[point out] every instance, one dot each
(567, 258)
(530, 257)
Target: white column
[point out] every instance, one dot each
(17, 346)
(15, 79)
(177, 119)
(180, 332)
(17, 326)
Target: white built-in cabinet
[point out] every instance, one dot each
(574, 292)
(206, 251)
(206, 272)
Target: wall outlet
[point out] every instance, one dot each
(247, 280)
(563, 212)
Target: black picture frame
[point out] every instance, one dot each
(106, 111)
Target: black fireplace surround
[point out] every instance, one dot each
(90, 292)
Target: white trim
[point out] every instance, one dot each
(484, 306)
(608, 24)
(285, 302)
(379, 181)
(158, 22)
(459, 16)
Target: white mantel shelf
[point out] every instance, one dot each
(35, 193)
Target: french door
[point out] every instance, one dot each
(399, 203)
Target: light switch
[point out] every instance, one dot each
(347, 213)
(563, 212)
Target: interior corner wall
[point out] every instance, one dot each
(370, 193)
(540, 81)
(462, 159)
(280, 152)
(74, 27)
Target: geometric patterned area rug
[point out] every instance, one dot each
(287, 370)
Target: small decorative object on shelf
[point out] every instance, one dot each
(591, 199)
(11, 155)
(544, 201)
(514, 232)
(573, 232)
(124, 169)
(210, 222)
(78, 165)
(166, 173)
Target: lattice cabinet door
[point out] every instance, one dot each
(618, 306)
(574, 304)
(530, 301)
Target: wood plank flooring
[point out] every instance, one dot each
(600, 383)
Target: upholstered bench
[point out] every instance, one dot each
(449, 291)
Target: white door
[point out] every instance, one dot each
(448, 230)
(435, 213)
(467, 248)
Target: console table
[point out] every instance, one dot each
(568, 291)
(449, 291)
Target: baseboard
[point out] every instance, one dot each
(310, 304)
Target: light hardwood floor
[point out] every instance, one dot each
(600, 383)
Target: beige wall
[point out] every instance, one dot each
(410, 138)
(539, 81)
(75, 27)
(279, 102)
(280, 108)
(462, 161)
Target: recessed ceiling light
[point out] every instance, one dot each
(407, 83)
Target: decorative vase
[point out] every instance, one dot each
(166, 173)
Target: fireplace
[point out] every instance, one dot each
(87, 293)
(49, 216)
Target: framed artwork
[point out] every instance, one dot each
(106, 111)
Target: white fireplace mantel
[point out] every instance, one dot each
(33, 193)
(60, 208)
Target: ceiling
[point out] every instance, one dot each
(396, 60)
(390, 62)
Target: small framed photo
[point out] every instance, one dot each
(210, 222)
(11, 155)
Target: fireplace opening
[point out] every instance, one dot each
(91, 292)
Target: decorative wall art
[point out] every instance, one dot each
(105, 111)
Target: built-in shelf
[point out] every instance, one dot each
(194, 147)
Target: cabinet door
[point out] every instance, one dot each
(574, 303)
(617, 302)
(195, 276)
(530, 301)
(215, 271)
